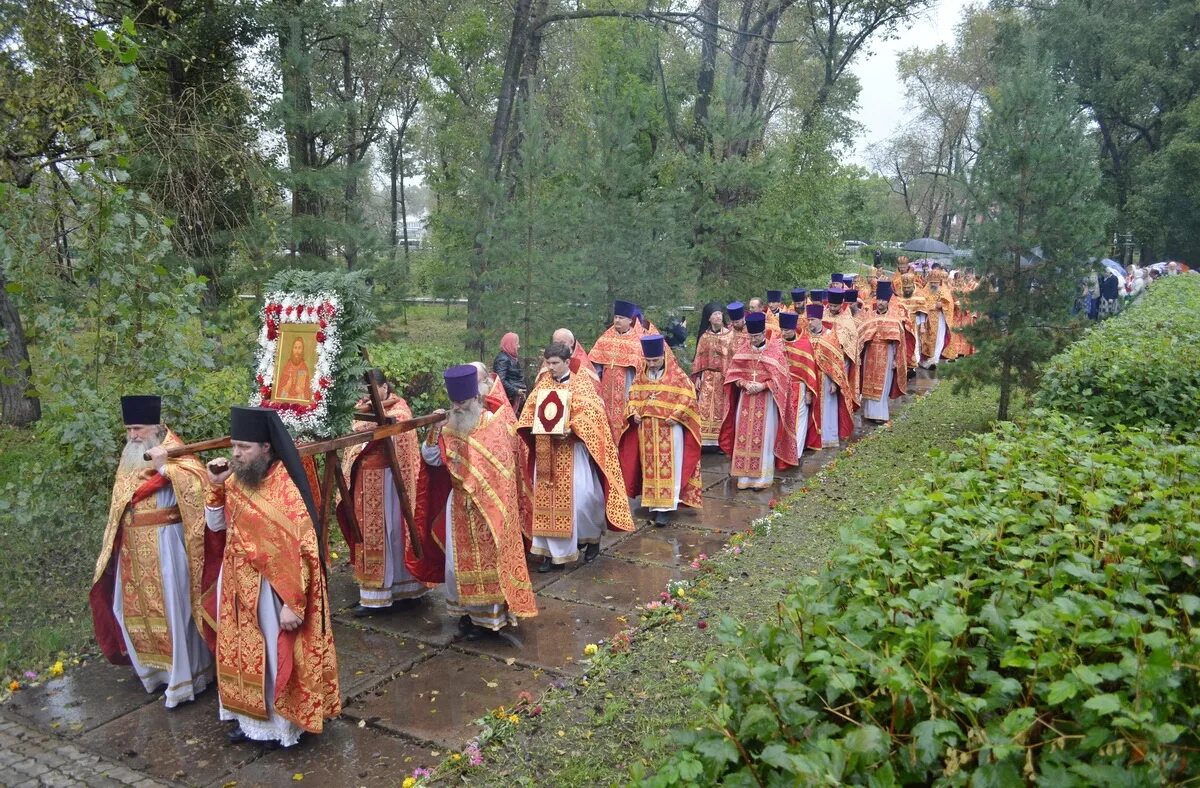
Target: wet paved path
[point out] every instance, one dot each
(412, 685)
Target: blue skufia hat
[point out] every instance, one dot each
(850, 296)
(756, 322)
(818, 295)
(798, 295)
(836, 296)
(815, 311)
(652, 346)
(788, 320)
(736, 310)
(461, 382)
(883, 290)
(774, 296)
(624, 309)
(837, 278)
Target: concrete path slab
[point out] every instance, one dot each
(615, 584)
(84, 699)
(554, 640)
(176, 745)
(438, 701)
(673, 546)
(367, 657)
(344, 755)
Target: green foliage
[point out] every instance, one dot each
(1035, 184)
(1134, 66)
(1140, 367)
(1164, 208)
(1022, 613)
(119, 320)
(416, 372)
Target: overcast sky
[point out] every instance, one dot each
(881, 102)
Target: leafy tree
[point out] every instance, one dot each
(1133, 65)
(1165, 209)
(119, 319)
(1036, 182)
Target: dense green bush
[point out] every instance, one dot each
(416, 372)
(1139, 367)
(1022, 613)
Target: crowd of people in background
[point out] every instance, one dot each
(1105, 293)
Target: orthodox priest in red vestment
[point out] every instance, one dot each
(276, 667)
(617, 356)
(157, 561)
(759, 429)
(660, 448)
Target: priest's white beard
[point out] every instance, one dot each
(132, 455)
(464, 418)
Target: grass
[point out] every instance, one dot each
(616, 722)
(45, 565)
(433, 325)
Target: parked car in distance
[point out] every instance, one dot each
(853, 246)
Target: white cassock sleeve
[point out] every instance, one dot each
(432, 455)
(214, 518)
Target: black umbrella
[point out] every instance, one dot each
(927, 246)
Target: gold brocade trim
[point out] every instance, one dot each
(156, 517)
(553, 502)
(710, 405)
(590, 425)
(270, 537)
(658, 463)
(142, 599)
(483, 451)
(749, 438)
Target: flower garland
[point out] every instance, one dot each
(322, 308)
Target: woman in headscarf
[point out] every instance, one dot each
(507, 367)
(714, 348)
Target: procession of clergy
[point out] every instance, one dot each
(217, 572)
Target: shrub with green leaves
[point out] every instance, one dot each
(1139, 367)
(1021, 613)
(416, 372)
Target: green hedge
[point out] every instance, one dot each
(1139, 367)
(416, 372)
(1022, 613)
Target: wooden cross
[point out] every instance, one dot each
(385, 428)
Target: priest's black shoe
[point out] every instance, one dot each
(590, 552)
(661, 519)
(545, 566)
(237, 735)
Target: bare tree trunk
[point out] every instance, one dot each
(393, 151)
(495, 156)
(301, 141)
(350, 193)
(17, 407)
(709, 13)
(1005, 391)
(403, 205)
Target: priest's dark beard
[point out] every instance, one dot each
(251, 473)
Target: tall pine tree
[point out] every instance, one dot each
(1036, 187)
